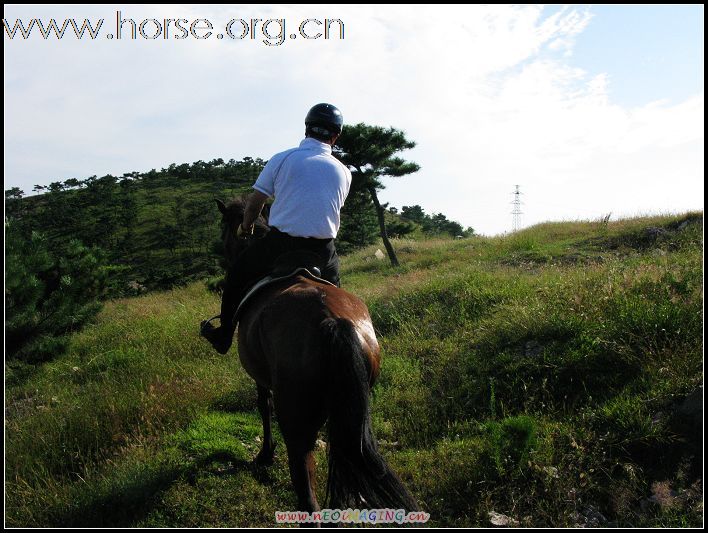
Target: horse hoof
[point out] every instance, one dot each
(264, 461)
(265, 458)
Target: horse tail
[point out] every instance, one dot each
(358, 474)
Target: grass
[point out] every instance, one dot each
(543, 375)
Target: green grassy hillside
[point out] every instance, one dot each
(553, 376)
(157, 228)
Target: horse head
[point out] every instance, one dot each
(231, 218)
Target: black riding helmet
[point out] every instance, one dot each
(324, 119)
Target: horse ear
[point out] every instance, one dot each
(221, 206)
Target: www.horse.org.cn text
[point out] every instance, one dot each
(270, 31)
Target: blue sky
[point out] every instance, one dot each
(590, 109)
(649, 52)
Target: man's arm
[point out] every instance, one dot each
(254, 206)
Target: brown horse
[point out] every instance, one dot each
(312, 350)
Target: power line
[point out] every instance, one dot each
(517, 208)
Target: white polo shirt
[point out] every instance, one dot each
(309, 185)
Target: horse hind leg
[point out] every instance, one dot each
(302, 473)
(299, 423)
(265, 407)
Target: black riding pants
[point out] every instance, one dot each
(258, 261)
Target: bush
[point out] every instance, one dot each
(46, 296)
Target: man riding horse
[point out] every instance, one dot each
(309, 186)
(309, 345)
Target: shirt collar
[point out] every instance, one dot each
(310, 143)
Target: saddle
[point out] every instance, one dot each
(288, 265)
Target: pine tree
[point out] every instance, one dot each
(46, 296)
(370, 152)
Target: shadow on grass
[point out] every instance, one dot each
(238, 400)
(127, 504)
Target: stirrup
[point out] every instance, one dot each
(206, 324)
